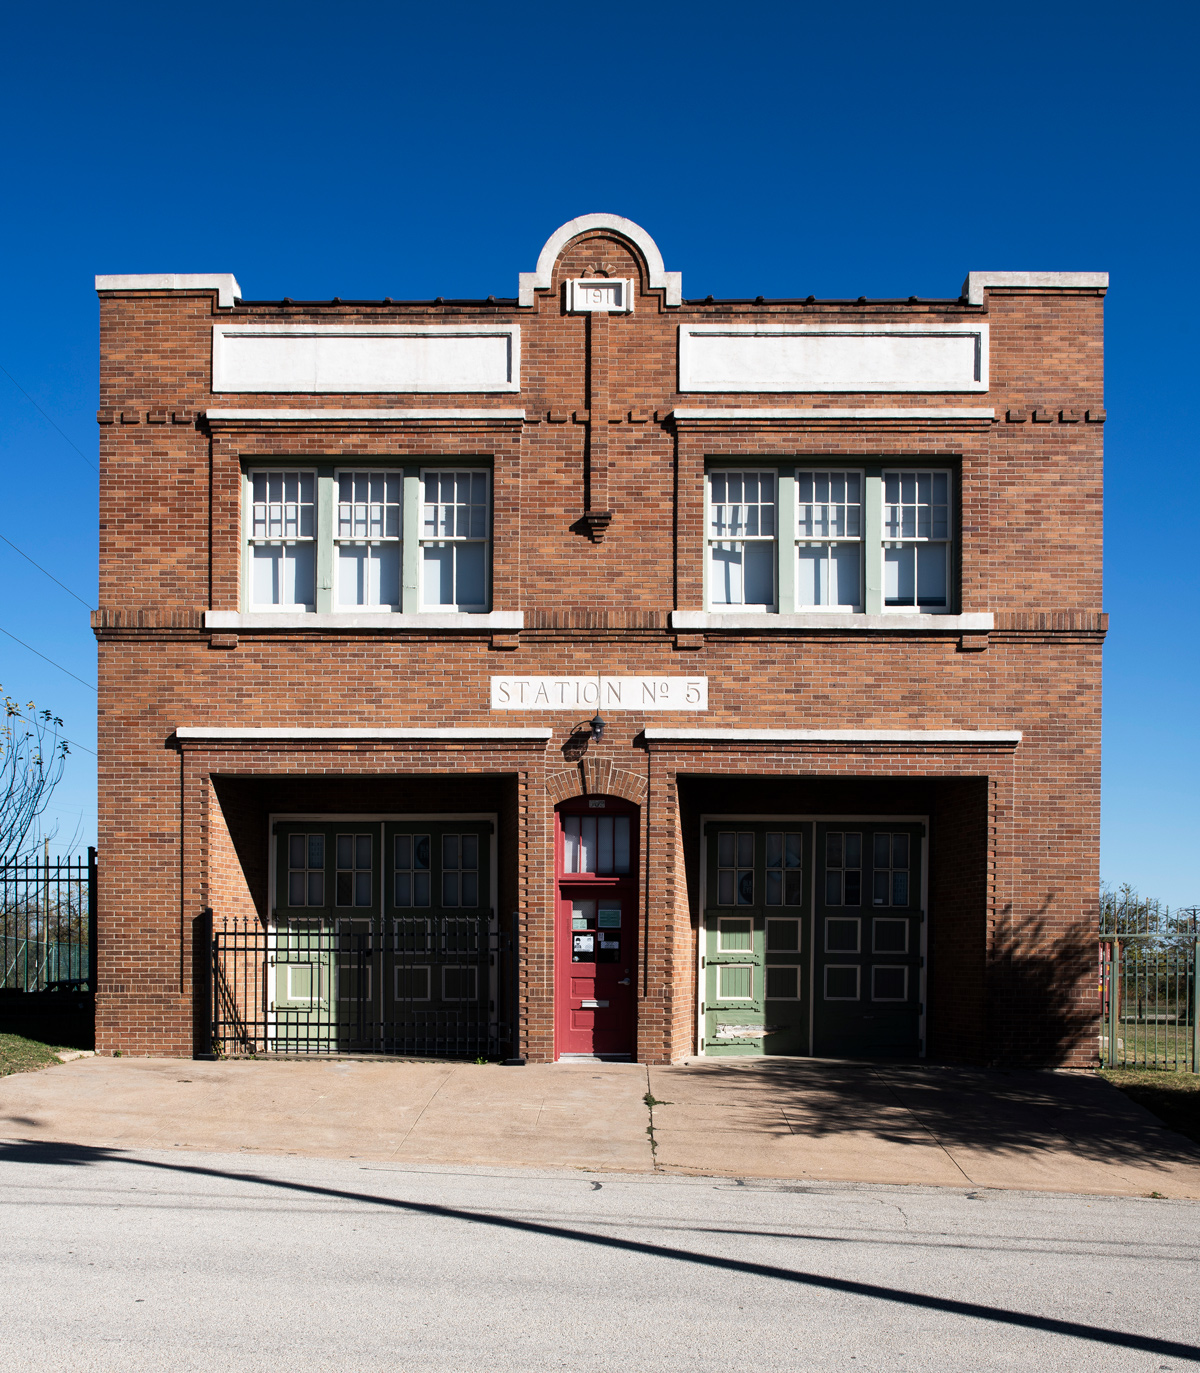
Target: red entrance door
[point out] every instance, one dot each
(596, 927)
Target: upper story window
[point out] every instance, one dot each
(454, 541)
(830, 539)
(741, 539)
(282, 550)
(916, 552)
(376, 539)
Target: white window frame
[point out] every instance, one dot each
(827, 540)
(325, 540)
(370, 541)
(740, 469)
(871, 540)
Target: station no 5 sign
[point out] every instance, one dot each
(599, 693)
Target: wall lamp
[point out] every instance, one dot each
(598, 726)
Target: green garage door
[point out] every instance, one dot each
(868, 939)
(755, 944)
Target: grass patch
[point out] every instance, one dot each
(1173, 1097)
(20, 1055)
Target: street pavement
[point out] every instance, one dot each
(176, 1259)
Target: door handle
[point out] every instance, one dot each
(624, 982)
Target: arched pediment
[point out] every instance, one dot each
(660, 278)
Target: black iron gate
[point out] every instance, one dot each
(413, 986)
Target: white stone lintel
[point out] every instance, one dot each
(895, 623)
(224, 283)
(971, 412)
(316, 415)
(463, 732)
(977, 282)
(834, 736)
(506, 621)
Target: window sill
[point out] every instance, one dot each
(896, 622)
(509, 621)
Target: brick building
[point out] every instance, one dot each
(601, 672)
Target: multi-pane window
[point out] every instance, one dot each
(596, 844)
(842, 541)
(829, 539)
(368, 538)
(890, 864)
(411, 866)
(741, 539)
(735, 868)
(843, 868)
(783, 869)
(454, 534)
(460, 870)
(354, 869)
(306, 870)
(916, 531)
(283, 551)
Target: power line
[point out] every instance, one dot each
(51, 661)
(49, 421)
(41, 569)
(62, 737)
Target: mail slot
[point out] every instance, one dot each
(592, 1005)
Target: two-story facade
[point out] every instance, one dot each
(601, 672)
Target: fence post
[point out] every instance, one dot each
(1195, 1001)
(516, 1058)
(1114, 997)
(92, 908)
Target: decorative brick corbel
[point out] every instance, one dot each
(223, 641)
(505, 643)
(689, 642)
(973, 642)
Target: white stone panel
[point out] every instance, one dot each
(593, 295)
(343, 359)
(833, 358)
(599, 693)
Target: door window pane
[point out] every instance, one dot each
(411, 855)
(890, 879)
(735, 868)
(783, 872)
(306, 870)
(597, 844)
(460, 870)
(843, 868)
(354, 869)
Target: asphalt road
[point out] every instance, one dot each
(184, 1260)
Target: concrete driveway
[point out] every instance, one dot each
(773, 1118)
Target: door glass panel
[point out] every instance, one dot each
(843, 868)
(890, 886)
(460, 870)
(597, 844)
(306, 870)
(412, 870)
(583, 931)
(735, 868)
(783, 886)
(354, 869)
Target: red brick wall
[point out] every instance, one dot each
(1014, 834)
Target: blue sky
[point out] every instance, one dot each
(365, 150)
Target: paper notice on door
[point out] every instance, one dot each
(583, 943)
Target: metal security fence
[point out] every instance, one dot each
(1148, 994)
(48, 924)
(415, 986)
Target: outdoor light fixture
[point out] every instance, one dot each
(597, 729)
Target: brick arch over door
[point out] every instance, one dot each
(594, 778)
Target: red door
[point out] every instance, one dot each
(596, 927)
